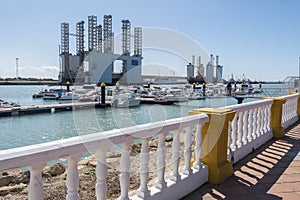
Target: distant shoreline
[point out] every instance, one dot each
(24, 82)
(28, 82)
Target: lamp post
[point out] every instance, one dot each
(17, 72)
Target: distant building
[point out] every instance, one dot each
(190, 70)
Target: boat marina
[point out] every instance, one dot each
(87, 97)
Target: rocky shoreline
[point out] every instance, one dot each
(14, 184)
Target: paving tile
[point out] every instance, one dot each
(292, 170)
(267, 197)
(271, 172)
(290, 195)
(295, 163)
(285, 187)
(289, 178)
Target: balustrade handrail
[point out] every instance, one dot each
(290, 96)
(249, 105)
(41, 153)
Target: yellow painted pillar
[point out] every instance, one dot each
(215, 143)
(276, 116)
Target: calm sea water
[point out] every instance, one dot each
(26, 130)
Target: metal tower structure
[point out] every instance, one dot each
(138, 41)
(126, 36)
(65, 38)
(92, 32)
(193, 60)
(107, 34)
(80, 37)
(65, 34)
(99, 38)
(80, 41)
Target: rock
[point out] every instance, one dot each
(8, 189)
(5, 180)
(153, 143)
(113, 154)
(169, 138)
(54, 170)
(21, 177)
(87, 160)
(135, 148)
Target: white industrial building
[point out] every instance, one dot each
(212, 72)
(96, 65)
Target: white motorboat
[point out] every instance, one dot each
(69, 96)
(86, 88)
(176, 95)
(125, 100)
(50, 96)
(89, 97)
(245, 88)
(196, 96)
(4, 104)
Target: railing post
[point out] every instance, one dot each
(73, 178)
(36, 188)
(276, 116)
(215, 143)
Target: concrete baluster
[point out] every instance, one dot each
(240, 129)
(188, 140)
(161, 162)
(269, 117)
(72, 178)
(36, 188)
(265, 111)
(143, 192)
(255, 128)
(258, 122)
(125, 171)
(234, 133)
(198, 138)
(298, 107)
(250, 125)
(262, 120)
(175, 156)
(101, 174)
(245, 127)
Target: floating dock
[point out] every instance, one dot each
(156, 101)
(52, 108)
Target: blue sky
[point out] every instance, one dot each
(257, 38)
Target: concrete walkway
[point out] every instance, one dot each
(271, 172)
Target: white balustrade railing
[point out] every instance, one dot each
(178, 185)
(249, 129)
(289, 110)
